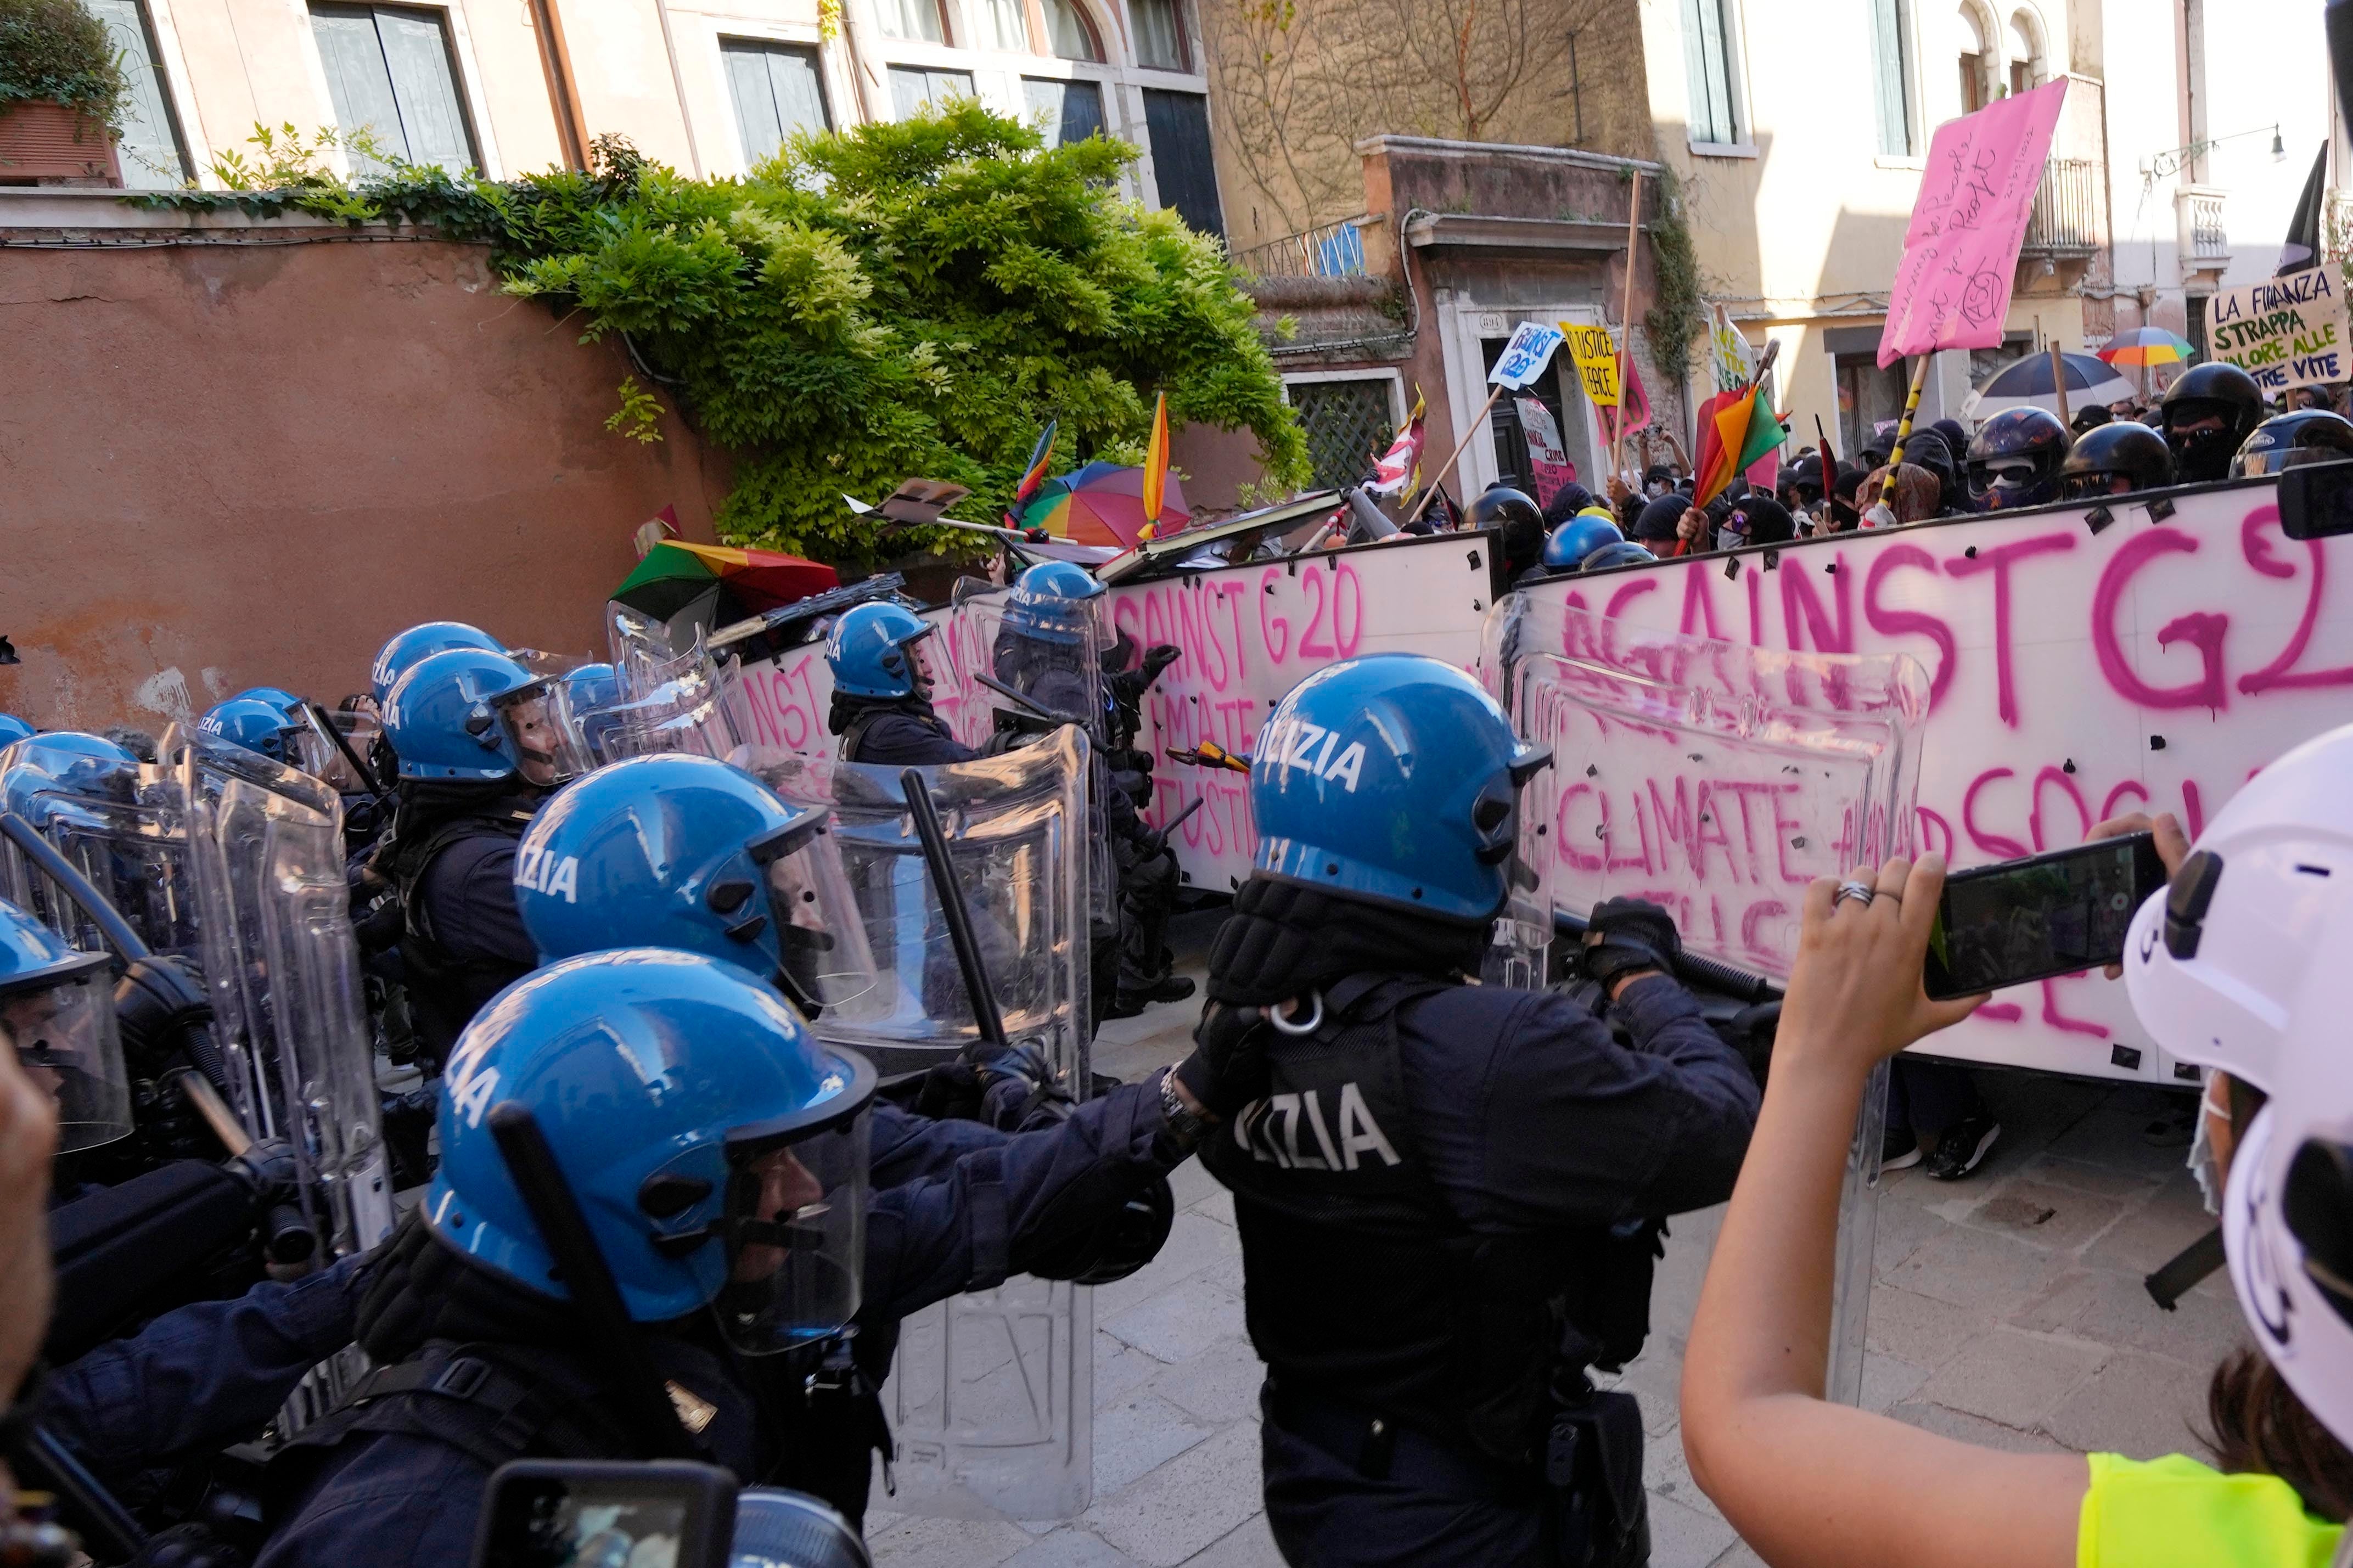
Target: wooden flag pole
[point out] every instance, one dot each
(1447, 468)
(2059, 380)
(1625, 327)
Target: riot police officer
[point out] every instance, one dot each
(478, 749)
(14, 728)
(2209, 410)
(741, 875)
(882, 683)
(1448, 1199)
(726, 1191)
(256, 725)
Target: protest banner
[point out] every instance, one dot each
(1728, 353)
(1595, 353)
(1524, 357)
(2151, 666)
(1546, 455)
(2284, 332)
(1960, 253)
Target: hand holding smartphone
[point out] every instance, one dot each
(2047, 915)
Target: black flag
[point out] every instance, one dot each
(2303, 247)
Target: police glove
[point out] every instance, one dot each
(1158, 658)
(1625, 936)
(1227, 1067)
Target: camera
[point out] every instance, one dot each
(664, 1513)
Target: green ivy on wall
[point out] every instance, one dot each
(899, 300)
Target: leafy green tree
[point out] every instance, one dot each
(901, 299)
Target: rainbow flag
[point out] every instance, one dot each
(1155, 462)
(1041, 455)
(1737, 431)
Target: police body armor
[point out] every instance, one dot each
(1478, 1341)
(445, 992)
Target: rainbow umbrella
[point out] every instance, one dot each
(2147, 346)
(1102, 503)
(720, 583)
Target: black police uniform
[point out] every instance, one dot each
(899, 732)
(1442, 1208)
(462, 938)
(396, 1476)
(1148, 875)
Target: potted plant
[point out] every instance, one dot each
(62, 93)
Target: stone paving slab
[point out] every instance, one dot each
(2007, 1311)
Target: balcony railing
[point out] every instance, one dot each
(1332, 250)
(2070, 209)
(2205, 243)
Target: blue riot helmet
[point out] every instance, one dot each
(1577, 538)
(278, 696)
(65, 762)
(685, 851)
(872, 651)
(257, 726)
(400, 654)
(469, 714)
(718, 1151)
(1051, 642)
(57, 1013)
(13, 729)
(1393, 778)
(593, 693)
(1054, 601)
(1620, 552)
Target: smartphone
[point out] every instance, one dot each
(2058, 913)
(579, 1513)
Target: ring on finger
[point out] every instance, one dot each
(1861, 891)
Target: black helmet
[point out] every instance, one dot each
(2206, 392)
(2306, 436)
(1517, 515)
(2015, 460)
(2126, 451)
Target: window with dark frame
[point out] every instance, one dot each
(1177, 126)
(1348, 424)
(391, 73)
(778, 91)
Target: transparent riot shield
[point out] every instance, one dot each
(687, 701)
(1008, 679)
(135, 851)
(1718, 780)
(282, 969)
(991, 1395)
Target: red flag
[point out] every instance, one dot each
(1634, 403)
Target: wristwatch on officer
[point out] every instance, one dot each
(1184, 1124)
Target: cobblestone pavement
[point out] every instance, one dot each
(2007, 1310)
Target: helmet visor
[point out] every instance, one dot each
(823, 958)
(63, 1037)
(795, 1226)
(1987, 474)
(2085, 486)
(545, 739)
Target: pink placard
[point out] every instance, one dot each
(1960, 254)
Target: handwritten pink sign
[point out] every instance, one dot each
(1952, 290)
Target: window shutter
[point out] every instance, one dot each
(357, 81)
(755, 101)
(151, 154)
(1707, 69)
(417, 56)
(1887, 77)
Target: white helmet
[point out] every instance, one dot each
(2287, 1211)
(2214, 962)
